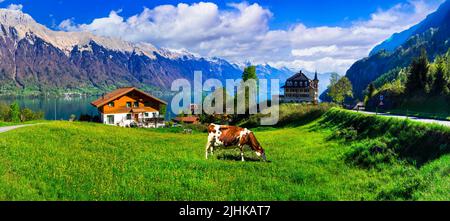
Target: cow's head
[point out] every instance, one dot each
(254, 144)
(261, 153)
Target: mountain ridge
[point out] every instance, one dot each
(40, 60)
(432, 34)
(432, 20)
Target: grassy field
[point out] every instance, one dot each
(84, 161)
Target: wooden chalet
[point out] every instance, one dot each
(128, 107)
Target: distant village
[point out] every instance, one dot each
(132, 107)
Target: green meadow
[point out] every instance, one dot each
(87, 161)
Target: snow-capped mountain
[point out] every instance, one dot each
(35, 58)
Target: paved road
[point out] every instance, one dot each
(8, 128)
(441, 122)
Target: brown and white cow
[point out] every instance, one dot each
(232, 136)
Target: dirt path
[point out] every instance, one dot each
(8, 128)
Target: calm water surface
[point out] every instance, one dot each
(61, 108)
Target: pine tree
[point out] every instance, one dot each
(249, 73)
(440, 83)
(417, 79)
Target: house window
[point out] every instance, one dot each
(128, 104)
(146, 114)
(110, 119)
(111, 104)
(295, 83)
(136, 104)
(128, 116)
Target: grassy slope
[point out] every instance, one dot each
(79, 161)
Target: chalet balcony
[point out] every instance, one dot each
(149, 122)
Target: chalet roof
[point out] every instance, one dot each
(299, 77)
(120, 92)
(188, 119)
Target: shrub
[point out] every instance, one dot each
(90, 118)
(169, 124)
(73, 117)
(15, 112)
(4, 112)
(196, 127)
(349, 134)
(27, 114)
(85, 118)
(370, 154)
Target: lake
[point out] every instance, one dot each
(61, 108)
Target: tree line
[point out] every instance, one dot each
(14, 113)
(421, 78)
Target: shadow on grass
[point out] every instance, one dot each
(237, 157)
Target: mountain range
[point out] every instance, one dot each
(432, 34)
(37, 59)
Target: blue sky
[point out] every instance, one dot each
(286, 12)
(323, 35)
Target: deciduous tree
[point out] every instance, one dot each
(340, 89)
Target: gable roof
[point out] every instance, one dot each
(120, 92)
(299, 77)
(188, 119)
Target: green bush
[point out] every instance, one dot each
(15, 112)
(27, 114)
(370, 154)
(349, 134)
(4, 112)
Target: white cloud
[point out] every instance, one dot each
(314, 50)
(16, 7)
(242, 33)
(68, 25)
